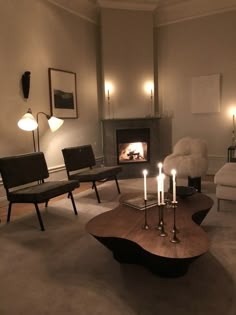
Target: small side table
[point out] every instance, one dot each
(232, 153)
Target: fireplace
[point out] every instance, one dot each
(133, 145)
(152, 135)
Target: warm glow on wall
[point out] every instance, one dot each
(149, 88)
(232, 114)
(108, 88)
(232, 110)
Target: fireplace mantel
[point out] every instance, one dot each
(133, 118)
(160, 142)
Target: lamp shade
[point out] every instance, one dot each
(28, 122)
(55, 123)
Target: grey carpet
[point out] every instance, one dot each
(66, 271)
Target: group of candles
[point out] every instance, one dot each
(160, 185)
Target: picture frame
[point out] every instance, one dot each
(205, 94)
(63, 94)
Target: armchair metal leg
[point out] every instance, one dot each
(73, 202)
(96, 191)
(9, 212)
(39, 217)
(117, 185)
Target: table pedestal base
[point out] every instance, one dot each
(127, 252)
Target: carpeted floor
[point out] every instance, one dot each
(64, 270)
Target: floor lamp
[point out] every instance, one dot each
(29, 123)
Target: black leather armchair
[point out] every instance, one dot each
(23, 178)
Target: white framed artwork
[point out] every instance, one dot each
(205, 94)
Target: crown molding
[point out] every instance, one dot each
(165, 11)
(128, 5)
(87, 11)
(190, 9)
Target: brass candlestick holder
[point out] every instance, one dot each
(145, 226)
(161, 223)
(158, 227)
(174, 230)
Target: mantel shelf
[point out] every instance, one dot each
(131, 118)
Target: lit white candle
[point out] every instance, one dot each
(163, 190)
(173, 172)
(145, 183)
(160, 167)
(158, 191)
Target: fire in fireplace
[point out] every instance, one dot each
(133, 145)
(133, 152)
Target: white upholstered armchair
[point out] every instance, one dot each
(190, 160)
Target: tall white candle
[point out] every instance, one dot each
(145, 183)
(158, 191)
(163, 190)
(160, 167)
(173, 172)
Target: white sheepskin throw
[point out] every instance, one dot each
(189, 158)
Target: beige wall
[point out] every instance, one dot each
(198, 47)
(127, 59)
(34, 36)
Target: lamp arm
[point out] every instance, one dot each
(37, 116)
(54, 124)
(37, 119)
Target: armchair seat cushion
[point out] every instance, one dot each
(186, 165)
(39, 193)
(96, 174)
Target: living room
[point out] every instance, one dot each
(167, 45)
(40, 35)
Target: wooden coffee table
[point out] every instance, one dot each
(121, 230)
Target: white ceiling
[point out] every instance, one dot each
(166, 11)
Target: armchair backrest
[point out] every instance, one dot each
(79, 157)
(199, 147)
(191, 146)
(23, 169)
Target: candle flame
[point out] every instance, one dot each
(108, 87)
(145, 172)
(173, 172)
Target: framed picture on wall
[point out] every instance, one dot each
(206, 94)
(63, 95)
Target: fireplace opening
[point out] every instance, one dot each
(133, 145)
